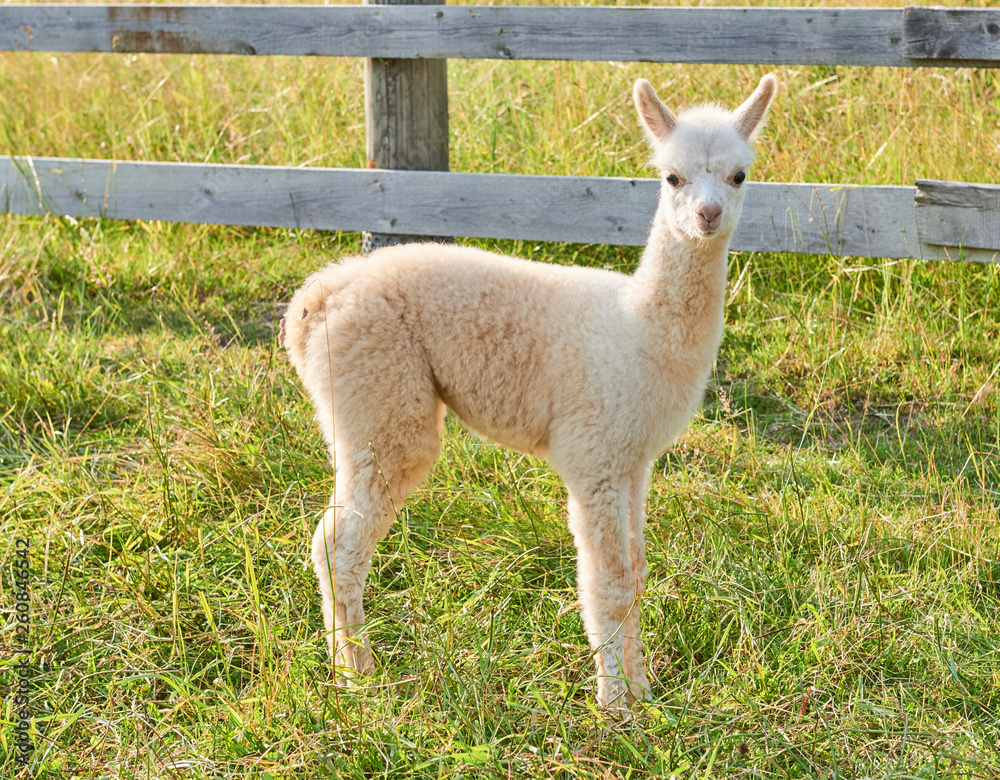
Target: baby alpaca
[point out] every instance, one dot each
(596, 371)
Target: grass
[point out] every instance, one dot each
(824, 597)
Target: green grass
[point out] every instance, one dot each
(824, 543)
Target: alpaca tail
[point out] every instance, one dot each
(304, 311)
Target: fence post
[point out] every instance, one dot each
(406, 119)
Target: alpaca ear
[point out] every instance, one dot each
(749, 118)
(656, 118)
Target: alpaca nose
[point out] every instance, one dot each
(709, 215)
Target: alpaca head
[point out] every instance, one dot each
(703, 154)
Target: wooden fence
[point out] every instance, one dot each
(931, 220)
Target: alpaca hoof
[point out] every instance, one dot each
(639, 693)
(348, 677)
(618, 713)
(639, 690)
(352, 661)
(612, 695)
(363, 661)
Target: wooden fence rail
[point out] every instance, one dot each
(902, 37)
(932, 220)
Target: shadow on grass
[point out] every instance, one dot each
(891, 434)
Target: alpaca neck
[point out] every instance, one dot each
(680, 286)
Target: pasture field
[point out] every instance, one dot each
(824, 540)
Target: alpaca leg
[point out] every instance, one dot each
(635, 665)
(370, 486)
(360, 513)
(598, 518)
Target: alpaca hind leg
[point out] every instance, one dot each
(635, 665)
(598, 518)
(358, 516)
(371, 485)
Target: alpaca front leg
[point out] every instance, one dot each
(598, 518)
(635, 664)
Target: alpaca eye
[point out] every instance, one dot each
(673, 181)
(739, 178)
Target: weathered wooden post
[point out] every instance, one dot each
(406, 119)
